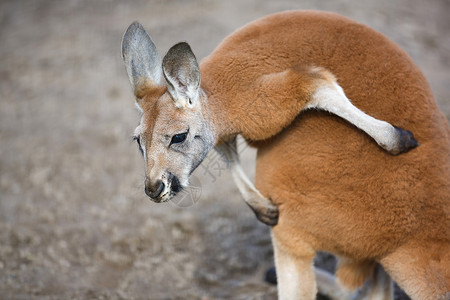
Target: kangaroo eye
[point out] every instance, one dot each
(178, 138)
(138, 140)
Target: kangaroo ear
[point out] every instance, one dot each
(182, 74)
(142, 60)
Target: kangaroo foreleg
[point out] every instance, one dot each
(263, 208)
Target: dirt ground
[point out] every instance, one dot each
(74, 220)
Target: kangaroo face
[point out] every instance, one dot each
(173, 141)
(174, 134)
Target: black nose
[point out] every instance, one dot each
(153, 190)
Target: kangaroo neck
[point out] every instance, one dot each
(219, 117)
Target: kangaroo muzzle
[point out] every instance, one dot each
(154, 190)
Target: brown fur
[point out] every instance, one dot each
(335, 190)
(353, 273)
(146, 88)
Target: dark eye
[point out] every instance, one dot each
(178, 138)
(138, 140)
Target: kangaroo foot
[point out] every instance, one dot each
(406, 142)
(271, 276)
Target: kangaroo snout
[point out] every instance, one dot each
(153, 189)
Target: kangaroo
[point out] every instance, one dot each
(324, 184)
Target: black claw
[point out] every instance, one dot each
(406, 141)
(269, 217)
(271, 276)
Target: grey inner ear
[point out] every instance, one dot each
(140, 56)
(182, 72)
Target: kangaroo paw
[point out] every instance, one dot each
(266, 213)
(406, 142)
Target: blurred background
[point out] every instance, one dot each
(74, 220)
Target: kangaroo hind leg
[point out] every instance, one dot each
(329, 96)
(378, 287)
(421, 269)
(300, 88)
(376, 283)
(295, 273)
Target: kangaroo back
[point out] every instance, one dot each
(375, 73)
(335, 190)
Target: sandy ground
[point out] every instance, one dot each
(74, 220)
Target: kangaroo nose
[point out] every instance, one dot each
(153, 190)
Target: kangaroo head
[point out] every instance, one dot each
(174, 134)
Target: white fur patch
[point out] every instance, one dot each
(333, 99)
(138, 107)
(288, 276)
(138, 131)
